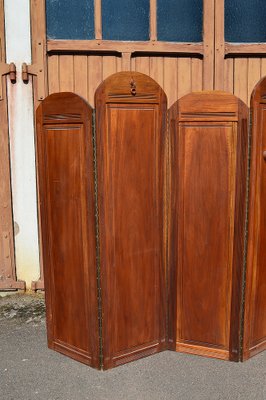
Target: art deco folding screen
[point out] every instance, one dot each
(143, 252)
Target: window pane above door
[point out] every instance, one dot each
(70, 19)
(245, 21)
(180, 21)
(126, 19)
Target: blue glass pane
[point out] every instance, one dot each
(70, 19)
(180, 20)
(245, 21)
(126, 19)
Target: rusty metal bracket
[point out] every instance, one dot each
(36, 69)
(7, 69)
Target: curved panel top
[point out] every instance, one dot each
(259, 91)
(130, 87)
(209, 105)
(58, 107)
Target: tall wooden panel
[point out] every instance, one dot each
(130, 126)
(255, 312)
(208, 188)
(66, 191)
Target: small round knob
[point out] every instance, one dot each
(264, 155)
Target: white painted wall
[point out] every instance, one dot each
(21, 129)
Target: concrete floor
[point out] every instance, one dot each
(28, 370)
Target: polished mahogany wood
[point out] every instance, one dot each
(209, 144)
(131, 135)
(66, 192)
(255, 301)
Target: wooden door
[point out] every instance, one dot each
(66, 191)
(208, 197)
(130, 126)
(255, 312)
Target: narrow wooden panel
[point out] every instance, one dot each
(253, 74)
(133, 64)
(156, 69)
(170, 79)
(66, 73)
(184, 76)
(109, 66)
(229, 75)
(81, 76)
(241, 79)
(95, 75)
(196, 75)
(263, 67)
(130, 153)
(66, 190)
(208, 180)
(143, 65)
(53, 74)
(255, 313)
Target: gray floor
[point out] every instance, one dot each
(28, 370)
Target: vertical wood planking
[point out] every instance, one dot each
(66, 73)
(53, 74)
(109, 66)
(241, 78)
(143, 65)
(196, 74)
(119, 64)
(125, 62)
(229, 75)
(156, 69)
(170, 85)
(133, 64)
(254, 70)
(81, 76)
(95, 76)
(263, 67)
(184, 76)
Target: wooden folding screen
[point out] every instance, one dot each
(130, 129)
(255, 301)
(66, 190)
(208, 197)
(121, 243)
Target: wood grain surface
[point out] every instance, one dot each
(208, 180)
(255, 312)
(66, 190)
(130, 152)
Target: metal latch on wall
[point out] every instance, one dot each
(37, 70)
(7, 69)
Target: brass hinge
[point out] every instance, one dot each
(36, 69)
(7, 69)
